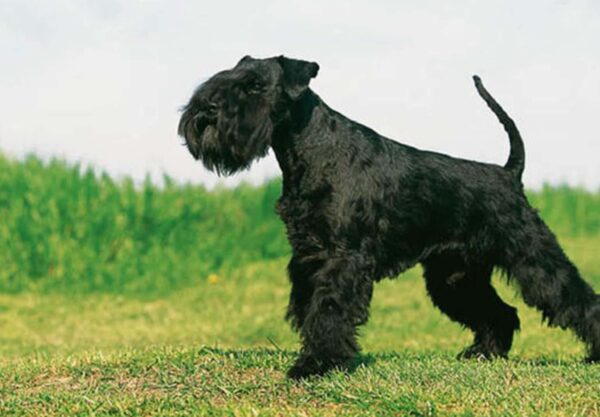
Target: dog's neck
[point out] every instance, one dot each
(300, 140)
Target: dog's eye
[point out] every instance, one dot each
(254, 87)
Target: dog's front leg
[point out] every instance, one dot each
(300, 274)
(339, 303)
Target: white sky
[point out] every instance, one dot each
(102, 81)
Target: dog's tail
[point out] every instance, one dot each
(516, 159)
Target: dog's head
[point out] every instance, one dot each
(231, 118)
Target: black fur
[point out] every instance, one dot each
(360, 207)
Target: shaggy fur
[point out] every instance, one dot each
(359, 207)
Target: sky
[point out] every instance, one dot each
(102, 82)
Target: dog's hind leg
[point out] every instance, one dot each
(339, 303)
(551, 283)
(464, 292)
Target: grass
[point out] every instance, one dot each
(209, 381)
(222, 348)
(134, 300)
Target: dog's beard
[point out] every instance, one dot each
(226, 145)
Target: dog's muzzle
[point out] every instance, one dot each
(206, 116)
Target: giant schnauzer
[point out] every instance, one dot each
(359, 207)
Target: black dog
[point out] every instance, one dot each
(360, 207)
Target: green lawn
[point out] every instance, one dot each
(221, 347)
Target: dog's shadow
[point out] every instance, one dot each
(361, 360)
(258, 358)
(281, 359)
(367, 360)
(541, 362)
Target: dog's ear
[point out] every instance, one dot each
(297, 75)
(246, 58)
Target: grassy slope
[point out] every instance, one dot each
(109, 308)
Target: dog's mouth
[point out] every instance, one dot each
(196, 125)
(223, 140)
(205, 142)
(202, 122)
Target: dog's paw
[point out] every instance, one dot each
(298, 373)
(479, 352)
(305, 370)
(593, 359)
(307, 366)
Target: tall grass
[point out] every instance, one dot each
(67, 229)
(568, 211)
